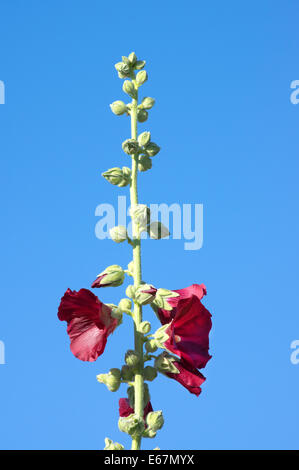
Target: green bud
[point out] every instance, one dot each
(140, 213)
(147, 103)
(132, 425)
(144, 138)
(117, 314)
(125, 304)
(144, 163)
(131, 267)
(150, 373)
(130, 146)
(139, 64)
(145, 294)
(111, 380)
(151, 346)
(125, 60)
(110, 445)
(131, 395)
(144, 327)
(142, 115)
(123, 70)
(129, 88)
(157, 230)
(155, 420)
(112, 276)
(132, 58)
(149, 433)
(118, 177)
(165, 363)
(141, 77)
(130, 291)
(132, 359)
(152, 149)
(118, 107)
(118, 234)
(127, 373)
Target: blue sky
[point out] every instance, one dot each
(220, 73)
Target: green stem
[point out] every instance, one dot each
(138, 337)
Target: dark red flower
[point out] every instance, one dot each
(89, 323)
(188, 376)
(125, 409)
(189, 326)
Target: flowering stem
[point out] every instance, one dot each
(138, 337)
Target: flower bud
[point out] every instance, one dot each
(125, 304)
(150, 373)
(141, 77)
(118, 177)
(131, 267)
(110, 445)
(111, 380)
(139, 64)
(129, 88)
(157, 230)
(118, 107)
(147, 103)
(132, 425)
(144, 138)
(130, 146)
(151, 346)
(113, 276)
(132, 359)
(152, 149)
(123, 69)
(117, 314)
(145, 294)
(165, 363)
(132, 58)
(155, 420)
(127, 373)
(144, 163)
(144, 327)
(118, 234)
(130, 291)
(141, 214)
(142, 115)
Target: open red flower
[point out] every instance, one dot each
(89, 323)
(125, 409)
(188, 376)
(189, 326)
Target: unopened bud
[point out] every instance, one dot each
(132, 58)
(152, 149)
(111, 380)
(145, 294)
(129, 88)
(132, 425)
(151, 346)
(155, 420)
(118, 177)
(141, 77)
(110, 445)
(147, 103)
(144, 138)
(157, 230)
(142, 115)
(123, 70)
(125, 304)
(117, 314)
(144, 163)
(130, 146)
(144, 327)
(165, 363)
(130, 291)
(150, 373)
(118, 107)
(113, 276)
(127, 373)
(132, 359)
(131, 267)
(118, 234)
(139, 64)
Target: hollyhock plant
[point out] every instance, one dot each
(181, 345)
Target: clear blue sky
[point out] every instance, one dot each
(221, 74)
